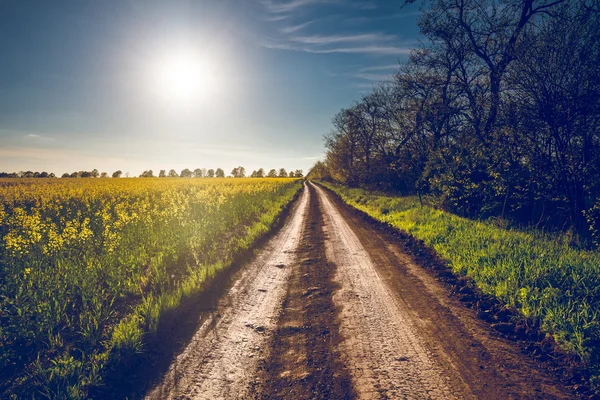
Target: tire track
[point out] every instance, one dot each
(304, 360)
(221, 360)
(382, 347)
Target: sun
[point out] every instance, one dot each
(184, 78)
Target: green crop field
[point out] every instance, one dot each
(541, 275)
(88, 267)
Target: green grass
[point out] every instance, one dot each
(89, 267)
(541, 275)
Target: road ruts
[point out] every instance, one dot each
(382, 349)
(304, 360)
(406, 336)
(220, 361)
(332, 307)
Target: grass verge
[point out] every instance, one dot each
(541, 276)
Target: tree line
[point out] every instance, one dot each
(496, 114)
(238, 172)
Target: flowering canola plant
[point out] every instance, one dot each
(89, 265)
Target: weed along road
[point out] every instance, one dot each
(331, 307)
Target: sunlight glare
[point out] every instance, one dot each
(185, 78)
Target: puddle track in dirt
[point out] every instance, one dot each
(221, 360)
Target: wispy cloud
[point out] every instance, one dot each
(289, 6)
(391, 67)
(365, 48)
(38, 138)
(373, 77)
(398, 15)
(274, 6)
(357, 38)
(369, 43)
(296, 28)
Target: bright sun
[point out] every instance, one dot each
(184, 78)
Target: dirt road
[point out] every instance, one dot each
(332, 308)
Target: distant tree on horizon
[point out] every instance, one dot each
(272, 173)
(220, 173)
(162, 173)
(238, 172)
(173, 174)
(186, 173)
(283, 173)
(117, 174)
(104, 175)
(147, 174)
(211, 173)
(198, 173)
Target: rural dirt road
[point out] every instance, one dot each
(331, 308)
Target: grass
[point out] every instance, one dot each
(89, 267)
(540, 275)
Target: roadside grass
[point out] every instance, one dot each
(88, 268)
(539, 274)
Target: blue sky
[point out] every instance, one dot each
(79, 88)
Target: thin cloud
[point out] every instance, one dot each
(360, 43)
(39, 138)
(373, 77)
(295, 28)
(275, 7)
(381, 68)
(365, 50)
(289, 6)
(323, 40)
(360, 49)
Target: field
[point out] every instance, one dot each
(541, 275)
(89, 266)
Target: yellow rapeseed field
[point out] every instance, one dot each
(88, 266)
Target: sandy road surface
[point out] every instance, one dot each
(220, 361)
(385, 353)
(349, 315)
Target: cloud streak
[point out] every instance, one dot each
(350, 47)
(276, 7)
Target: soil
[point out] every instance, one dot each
(335, 307)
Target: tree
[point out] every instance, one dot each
(173, 174)
(272, 173)
(186, 173)
(283, 173)
(162, 173)
(94, 173)
(117, 174)
(238, 172)
(147, 174)
(198, 173)
(220, 173)
(65, 175)
(211, 173)
(104, 175)
(298, 173)
(260, 173)
(253, 174)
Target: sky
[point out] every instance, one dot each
(133, 85)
